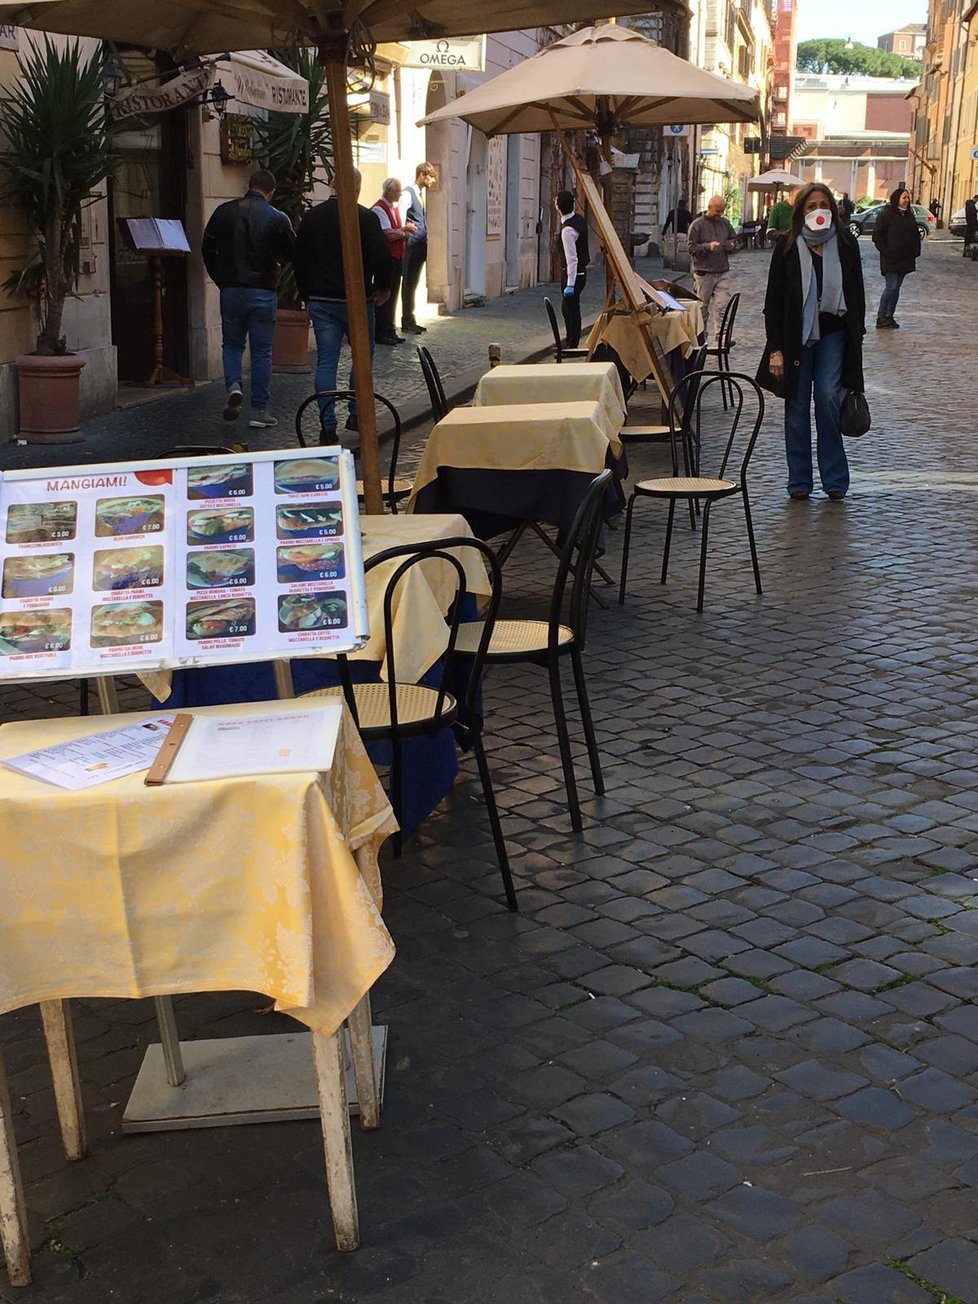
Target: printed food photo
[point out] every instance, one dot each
(231, 481)
(128, 516)
(218, 570)
(235, 617)
(310, 561)
(41, 522)
(119, 623)
(306, 475)
(35, 631)
(299, 611)
(127, 568)
(233, 525)
(38, 576)
(309, 521)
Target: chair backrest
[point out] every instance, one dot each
(686, 435)
(436, 390)
(576, 565)
(725, 333)
(554, 327)
(441, 551)
(308, 426)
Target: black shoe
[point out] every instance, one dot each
(886, 324)
(800, 494)
(351, 423)
(412, 328)
(894, 325)
(327, 436)
(391, 339)
(836, 495)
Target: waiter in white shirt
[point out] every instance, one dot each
(574, 259)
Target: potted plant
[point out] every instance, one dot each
(298, 148)
(57, 149)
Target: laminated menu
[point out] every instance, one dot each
(200, 560)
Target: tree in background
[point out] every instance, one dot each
(825, 55)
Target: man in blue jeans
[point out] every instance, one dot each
(319, 276)
(245, 244)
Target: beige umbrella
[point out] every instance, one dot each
(344, 35)
(776, 179)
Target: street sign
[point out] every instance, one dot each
(675, 130)
(974, 153)
(710, 150)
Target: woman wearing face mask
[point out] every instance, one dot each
(897, 237)
(815, 319)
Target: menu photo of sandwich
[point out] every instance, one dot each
(309, 521)
(221, 570)
(127, 568)
(120, 624)
(232, 525)
(35, 631)
(41, 522)
(39, 576)
(310, 561)
(307, 475)
(115, 516)
(306, 611)
(232, 618)
(231, 481)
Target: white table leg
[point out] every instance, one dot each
(60, 1038)
(362, 1048)
(13, 1216)
(334, 1112)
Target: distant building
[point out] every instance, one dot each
(784, 17)
(858, 129)
(909, 41)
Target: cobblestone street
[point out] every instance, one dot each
(727, 1051)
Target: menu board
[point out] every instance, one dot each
(197, 561)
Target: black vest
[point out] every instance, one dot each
(577, 223)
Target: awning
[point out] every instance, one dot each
(254, 77)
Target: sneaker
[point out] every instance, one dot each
(414, 329)
(232, 404)
(351, 423)
(262, 419)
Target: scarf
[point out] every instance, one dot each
(833, 300)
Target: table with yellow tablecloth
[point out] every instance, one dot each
(549, 382)
(624, 332)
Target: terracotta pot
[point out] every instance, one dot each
(48, 390)
(290, 348)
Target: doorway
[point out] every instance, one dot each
(513, 156)
(476, 212)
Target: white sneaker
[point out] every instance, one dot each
(262, 419)
(232, 404)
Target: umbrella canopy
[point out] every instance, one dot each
(604, 77)
(774, 180)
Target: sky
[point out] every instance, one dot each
(863, 20)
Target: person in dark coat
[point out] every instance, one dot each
(815, 320)
(970, 220)
(897, 237)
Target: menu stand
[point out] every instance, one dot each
(157, 238)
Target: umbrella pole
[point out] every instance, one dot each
(332, 54)
(606, 195)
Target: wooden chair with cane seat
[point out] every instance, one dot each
(691, 486)
(436, 390)
(394, 711)
(547, 642)
(310, 433)
(725, 342)
(561, 351)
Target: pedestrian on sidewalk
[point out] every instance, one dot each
(970, 220)
(395, 232)
(683, 218)
(574, 258)
(416, 254)
(246, 241)
(711, 239)
(815, 319)
(846, 210)
(321, 284)
(897, 237)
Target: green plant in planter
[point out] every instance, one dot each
(297, 147)
(57, 149)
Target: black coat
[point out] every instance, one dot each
(783, 313)
(897, 238)
(318, 257)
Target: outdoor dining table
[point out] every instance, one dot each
(266, 883)
(677, 334)
(552, 382)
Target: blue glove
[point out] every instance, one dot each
(568, 292)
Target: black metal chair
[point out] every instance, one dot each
(561, 351)
(693, 487)
(436, 390)
(546, 642)
(392, 711)
(309, 431)
(725, 342)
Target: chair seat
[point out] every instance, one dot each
(643, 432)
(401, 488)
(512, 638)
(416, 705)
(693, 486)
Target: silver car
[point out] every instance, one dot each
(863, 223)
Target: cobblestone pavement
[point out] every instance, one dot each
(728, 1050)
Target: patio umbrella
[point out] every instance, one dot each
(195, 27)
(776, 179)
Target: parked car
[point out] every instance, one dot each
(956, 225)
(863, 223)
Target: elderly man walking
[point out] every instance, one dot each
(711, 239)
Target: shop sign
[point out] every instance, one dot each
(237, 139)
(263, 90)
(379, 105)
(141, 100)
(9, 37)
(465, 55)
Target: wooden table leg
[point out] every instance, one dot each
(13, 1216)
(362, 1046)
(60, 1038)
(334, 1111)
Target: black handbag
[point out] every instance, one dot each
(854, 419)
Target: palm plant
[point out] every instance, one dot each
(57, 150)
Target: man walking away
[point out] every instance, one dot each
(245, 244)
(683, 218)
(416, 254)
(395, 233)
(846, 209)
(711, 239)
(574, 259)
(970, 220)
(320, 281)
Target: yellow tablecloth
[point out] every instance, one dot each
(551, 382)
(622, 331)
(517, 437)
(128, 891)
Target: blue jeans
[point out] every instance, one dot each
(249, 315)
(891, 293)
(331, 324)
(820, 370)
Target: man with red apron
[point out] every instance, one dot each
(395, 233)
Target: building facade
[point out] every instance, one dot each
(908, 41)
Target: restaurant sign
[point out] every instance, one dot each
(179, 90)
(9, 37)
(467, 54)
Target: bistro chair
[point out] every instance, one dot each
(436, 390)
(393, 711)
(546, 642)
(309, 432)
(693, 487)
(725, 342)
(561, 351)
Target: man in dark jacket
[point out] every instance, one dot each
(970, 220)
(245, 244)
(897, 238)
(682, 216)
(320, 280)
